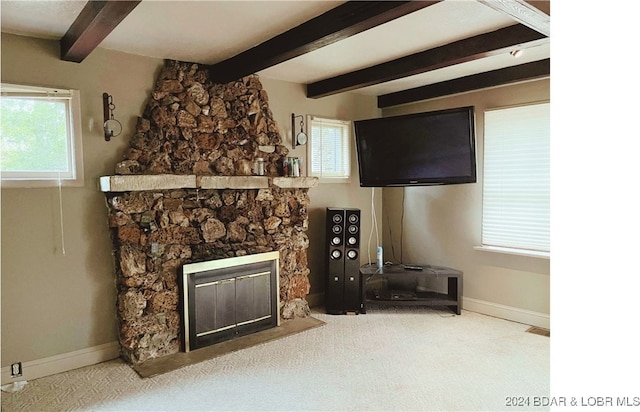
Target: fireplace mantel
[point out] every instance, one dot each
(133, 183)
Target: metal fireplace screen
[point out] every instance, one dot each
(225, 298)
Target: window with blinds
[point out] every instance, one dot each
(328, 148)
(515, 204)
(40, 133)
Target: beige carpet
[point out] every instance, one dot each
(391, 359)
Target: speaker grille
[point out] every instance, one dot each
(344, 289)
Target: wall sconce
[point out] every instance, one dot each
(112, 127)
(300, 138)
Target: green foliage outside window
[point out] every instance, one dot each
(33, 134)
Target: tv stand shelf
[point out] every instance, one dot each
(397, 285)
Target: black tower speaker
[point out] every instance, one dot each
(344, 289)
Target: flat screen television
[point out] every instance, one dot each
(419, 149)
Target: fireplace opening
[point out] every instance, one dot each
(227, 298)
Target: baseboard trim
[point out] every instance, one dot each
(64, 362)
(527, 317)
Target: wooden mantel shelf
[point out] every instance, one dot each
(133, 183)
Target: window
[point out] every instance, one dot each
(515, 204)
(328, 149)
(40, 136)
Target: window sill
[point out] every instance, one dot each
(38, 184)
(514, 251)
(334, 180)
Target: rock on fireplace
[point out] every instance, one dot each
(162, 223)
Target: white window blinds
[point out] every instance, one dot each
(515, 206)
(329, 155)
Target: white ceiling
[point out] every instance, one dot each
(211, 31)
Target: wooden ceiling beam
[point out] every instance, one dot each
(337, 24)
(524, 12)
(473, 48)
(514, 74)
(96, 20)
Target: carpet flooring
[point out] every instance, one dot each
(391, 359)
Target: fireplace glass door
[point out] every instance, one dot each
(226, 298)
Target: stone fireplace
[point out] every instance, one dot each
(186, 192)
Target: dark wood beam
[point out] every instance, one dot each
(514, 74)
(543, 5)
(525, 12)
(337, 24)
(96, 20)
(473, 48)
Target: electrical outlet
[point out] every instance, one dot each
(16, 369)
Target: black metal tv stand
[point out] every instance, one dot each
(403, 285)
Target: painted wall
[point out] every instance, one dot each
(286, 98)
(442, 224)
(55, 303)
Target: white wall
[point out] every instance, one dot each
(442, 224)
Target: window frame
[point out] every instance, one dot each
(347, 128)
(505, 247)
(74, 177)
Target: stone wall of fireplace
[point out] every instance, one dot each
(192, 130)
(156, 232)
(193, 126)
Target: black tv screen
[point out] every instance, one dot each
(430, 148)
